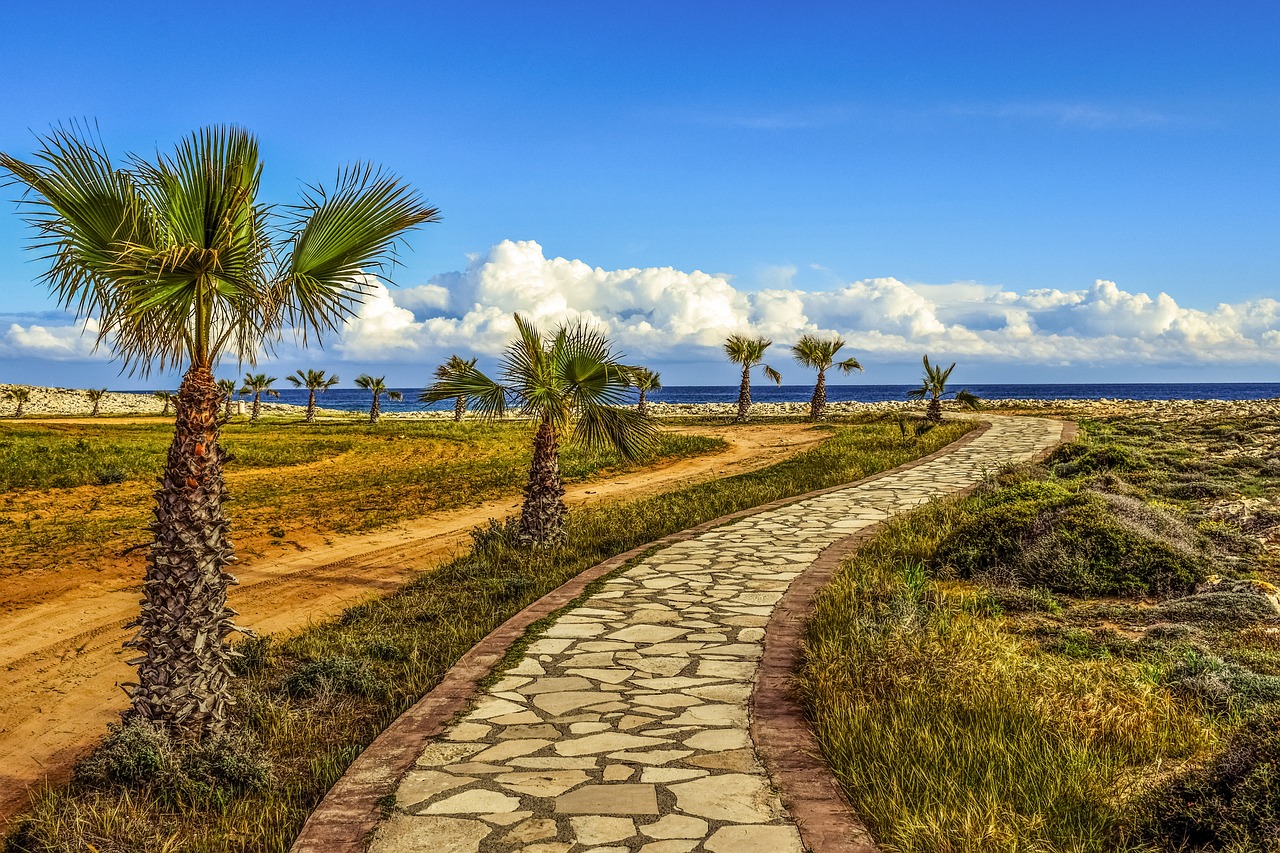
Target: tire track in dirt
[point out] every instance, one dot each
(61, 660)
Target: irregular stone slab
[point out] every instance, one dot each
(616, 799)
(673, 846)
(475, 801)
(602, 830)
(730, 797)
(531, 830)
(648, 634)
(422, 785)
(605, 742)
(676, 826)
(561, 703)
(755, 839)
(403, 833)
(546, 783)
(510, 749)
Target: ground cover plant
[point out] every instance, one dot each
(70, 492)
(309, 702)
(1083, 655)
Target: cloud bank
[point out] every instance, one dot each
(663, 315)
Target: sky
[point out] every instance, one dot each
(1040, 191)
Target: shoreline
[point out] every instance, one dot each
(73, 402)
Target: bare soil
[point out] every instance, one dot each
(61, 632)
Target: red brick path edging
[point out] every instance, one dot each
(353, 808)
(782, 736)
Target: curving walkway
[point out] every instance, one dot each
(625, 727)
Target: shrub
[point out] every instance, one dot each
(336, 674)
(1233, 801)
(1077, 458)
(1216, 610)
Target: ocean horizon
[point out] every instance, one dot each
(357, 399)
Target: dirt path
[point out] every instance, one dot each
(61, 654)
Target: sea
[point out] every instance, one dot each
(357, 399)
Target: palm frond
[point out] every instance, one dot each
(849, 365)
(772, 375)
(968, 400)
(487, 398)
(624, 430)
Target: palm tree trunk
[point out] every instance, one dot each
(744, 394)
(934, 411)
(184, 669)
(459, 408)
(311, 406)
(257, 407)
(818, 405)
(543, 514)
(22, 404)
(226, 408)
(643, 408)
(375, 411)
(94, 413)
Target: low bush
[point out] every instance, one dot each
(1216, 610)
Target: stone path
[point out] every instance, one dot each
(625, 726)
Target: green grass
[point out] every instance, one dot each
(383, 654)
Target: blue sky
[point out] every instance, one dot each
(1008, 148)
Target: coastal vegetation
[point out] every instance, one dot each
(377, 386)
(819, 354)
(309, 702)
(258, 384)
(316, 382)
(181, 264)
(570, 385)
(227, 388)
(645, 380)
(95, 396)
(1081, 656)
(934, 389)
(20, 398)
(454, 367)
(747, 351)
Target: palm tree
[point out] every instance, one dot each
(376, 386)
(166, 397)
(181, 264)
(258, 384)
(95, 397)
(572, 381)
(313, 381)
(749, 352)
(819, 354)
(455, 366)
(227, 390)
(645, 380)
(934, 388)
(20, 396)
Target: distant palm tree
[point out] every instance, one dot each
(934, 388)
(645, 380)
(180, 263)
(258, 384)
(573, 380)
(819, 354)
(376, 386)
(454, 367)
(166, 397)
(227, 388)
(749, 352)
(313, 381)
(95, 397)
(20, 396)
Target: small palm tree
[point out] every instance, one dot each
(227, 389)
(376, 386)
(95, 397)
(314, 381)
(454, 367)
(645, 380)
(20, 396)
(572, 381)
(819, 354)
(748, 352)
(166, 397)
(181, 264)
(934, 388)
(258, 384)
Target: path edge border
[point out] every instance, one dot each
(779, 728)
(353, 807)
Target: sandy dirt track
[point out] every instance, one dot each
(60, 651)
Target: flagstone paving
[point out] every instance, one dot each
(624, 728)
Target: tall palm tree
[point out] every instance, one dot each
(166, 397)
(313, 381)
(20, 397)
(227, 390)
(645, 380)
(749, 352)
(182, 264)
(95, 397)
(819, 354)
(376, 386)
(258, 384)
(934, 387)
(571, 381)
(455, 366)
